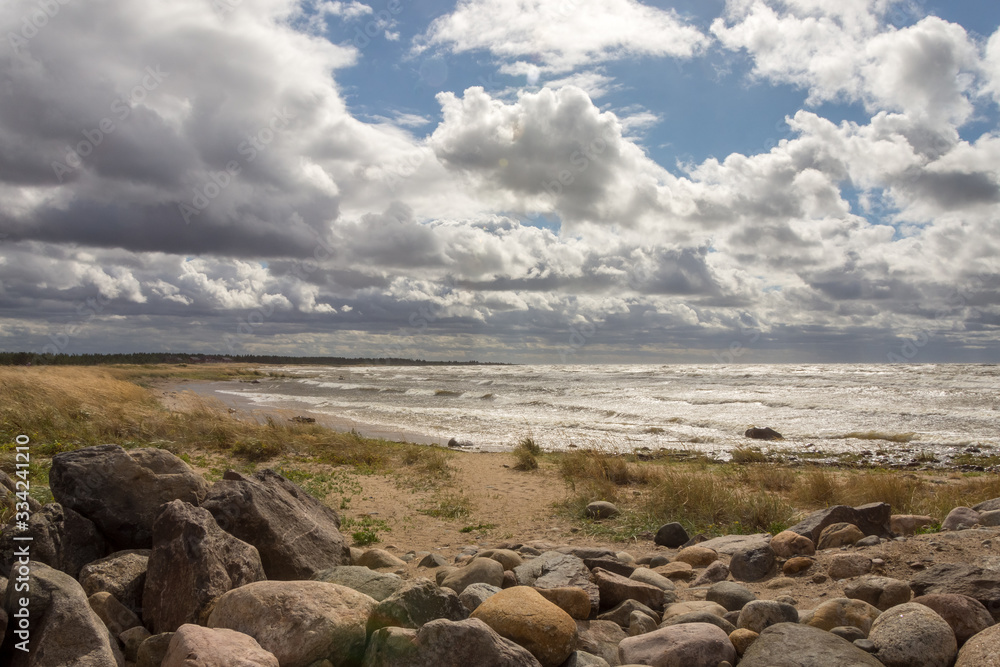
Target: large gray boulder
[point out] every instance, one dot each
(557, 570)
(192, 563)
(796, 645)
(912, 634)
(300, 622)
(988, 505)
(122, 491)
(377, 585)
(420, 602)
(63, 630)
(871, 519)
(295, 534)
(445, 643)
(687, 645)
(123, 574)
(982, 649)
(62, 538)
(976, 582)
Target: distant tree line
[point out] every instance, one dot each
(35, 359)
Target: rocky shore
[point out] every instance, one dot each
(142, 562)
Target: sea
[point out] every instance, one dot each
(892, 413)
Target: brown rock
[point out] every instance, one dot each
(571, 599)
(696, 556)
(615, 589)
(912, 634)
(907, 524)
(379, 559)
(686, 645)
(600, 638)
(192, 563)
(982, 650)
(195, 646)
(131, 640)
(966, 616)
(846, 566)
(788, 544)
(507, 558)
(742, 639)
(680, 608)
(123, 574)
(678, 571)
(522, 615)
(797, 565)
(838, 535)
(881, 592)
(300, 622)
(714, 573)
(478, 571)
(444, 643)
(843, 611)
(872, 519)
(960, 518)
(117, 617)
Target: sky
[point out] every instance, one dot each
(537, 181)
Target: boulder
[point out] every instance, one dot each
(880, 592)
(122, 491)
(688, 645)
(714, 573)
(615, 589)
(843, 611)
(475, 594)
(432, 561)
(871, 519)
(571, 599)
(639, 624)
(556, 570)
(671, 535)
(611, 565)
(700, 617)
(506, 557)
(766, 433)
(295, 534)
(478, 571)
(797, 565)
(377, 585)
(379, 559)
(760, 614)
(419, 602)
(912, 634)
(960, 518)
(839, 535)
(967, 617)
(753, 562)
(990, 519)
(982, 650)
(730, 595)
(195, 646)
(600, 638)
(730, 544)
(116, 617)
(988, 505)
(646, 576)
(697, 556)
(681, 608)
(602, 509)
(61, 538)
(978, 583)
(584, 659)
(908, 524)
(847, 566)
(678, 571)
(788, 544)
(152, 651)
(623, 613)
(742, 640)
(192, 563)
(300, 622)
(123, 574)
(64, 630)
(523, 616)
(445, 643)
(131, 640)
(796, 645)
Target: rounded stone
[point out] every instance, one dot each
(966, 616)
(742, 639)
(843, 611)
(671, 535)
(696, 556)
(912, 634)
(687, 645)
(730, 595)
(761, 614)
(838, 535)
(479, 571)
(960, 518)
(602, 509)
(788, 544)
(982, 650)
(796, 565)
(753, 562)
(881, 592)
(523, 616)
(848, 566)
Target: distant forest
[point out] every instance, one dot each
(34, 359)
